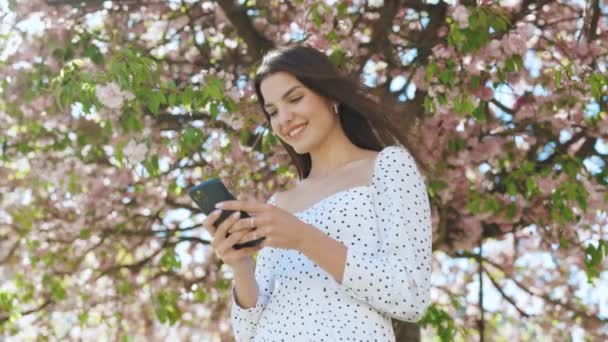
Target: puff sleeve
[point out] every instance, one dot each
(396, 280)
(244, 321)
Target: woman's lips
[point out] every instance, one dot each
(298, 135)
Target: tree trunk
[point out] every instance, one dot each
(406, 331)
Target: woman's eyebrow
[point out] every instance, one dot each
(284, 95)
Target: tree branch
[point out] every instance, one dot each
(504, 295)
(257, 44)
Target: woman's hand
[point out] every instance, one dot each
(222, 245)
(280, 227)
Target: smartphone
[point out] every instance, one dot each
(212, 191)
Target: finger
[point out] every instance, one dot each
(245, 224)
(209, 221)
(225, 245)
(248, 206)
(243, 252)
(253, 234)
(220, 233)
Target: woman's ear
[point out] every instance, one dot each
(336, 107)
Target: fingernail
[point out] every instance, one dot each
(236, 214)
(216, 212)
(219, 205)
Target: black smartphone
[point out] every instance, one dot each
(212, 191)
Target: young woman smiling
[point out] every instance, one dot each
(349, 247)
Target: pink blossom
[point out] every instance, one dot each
(526, 111)
(526, 31)
(134, 152)
(471, 232)
(514, 45)
(461, 15)
(486, 149)
(111, 95)
(442, 52)
(490, 51)
(418, 78)
(547, 185)
(233, 93)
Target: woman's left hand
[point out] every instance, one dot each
(280, 227)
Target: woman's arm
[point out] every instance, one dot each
(325, 251)
(251, 290)
(246, 288)
(396, 280)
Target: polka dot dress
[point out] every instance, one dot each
(387, 229)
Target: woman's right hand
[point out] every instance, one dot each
(222, 245)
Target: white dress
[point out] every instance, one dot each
(387, 229)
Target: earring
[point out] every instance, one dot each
(336, 108)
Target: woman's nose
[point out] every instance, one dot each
(285, 116)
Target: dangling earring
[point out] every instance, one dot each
(336, 108)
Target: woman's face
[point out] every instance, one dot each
(291, 104)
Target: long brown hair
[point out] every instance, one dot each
(363, 115)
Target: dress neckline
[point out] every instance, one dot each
(343, 191)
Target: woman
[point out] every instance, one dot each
(341, 255)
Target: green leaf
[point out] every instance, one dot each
(474, 202)
(557, 78)
(213, 89)
(479, 112)
(201, 296)
(593, 259)
(170, 260)
(446, 77)
(223, 284)
(214, 109)
(172, 99)
(563, 242)
(430, 71)
(175, 188)
(514, 63)
(94, 54)
(474, 82)
(190, 141)
(155, 99)
(441, 321)
(456, 37)
(7, 300)
(491, 204)
(531, 187)
(130, 122)
(429, 107)
(125, 288)
(83, 318)
(337, 54)
(118, 153)
(511, 210)
(187, 97)
(55, 287)
(597, 82)
(166, 308)
(435, 186)
(152, 166)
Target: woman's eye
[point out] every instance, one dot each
(292, 101)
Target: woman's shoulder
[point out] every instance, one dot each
(395, 155)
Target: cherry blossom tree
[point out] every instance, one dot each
(110, 110)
